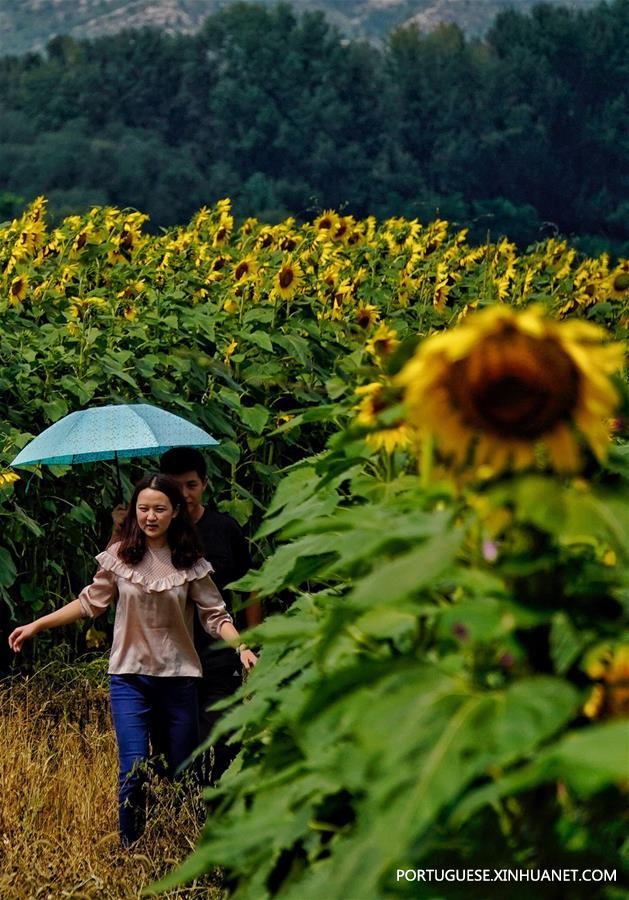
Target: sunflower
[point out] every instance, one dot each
(223, 231)
(344, 228)
(18, 289)
(367, 315)
(287, 280)
(383, 342)
(245, 269)
(326, 224)
(375, 399)
(609, 666)
(8, 478)
(503, 381)
(618, 282)
(229, 352)
(249, 225)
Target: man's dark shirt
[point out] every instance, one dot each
(225, 546)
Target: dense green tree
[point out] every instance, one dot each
(287, 117)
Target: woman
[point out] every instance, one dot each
(158, 575)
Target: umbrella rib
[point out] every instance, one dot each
(144, 422)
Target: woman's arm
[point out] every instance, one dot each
(64, 616)
(92, 601)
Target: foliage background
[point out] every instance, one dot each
(521, 133)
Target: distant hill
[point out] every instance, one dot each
(29, 24)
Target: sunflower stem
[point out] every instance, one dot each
(427, 459)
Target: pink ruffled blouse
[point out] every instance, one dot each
(153, 628)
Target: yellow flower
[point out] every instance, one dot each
(87, 235)
(18, 289)
(401, 234)
(223, 231)
(249, 225)
(231, 306)
(245, 269)
(95, 638)
(367, 315)
(287, 280)
(344, 229)
(326, 224)
(132, 289)
(503, 381)
(609, 666)
(229, 352)
(618, 282)
(444, 282)
(383, 342)
(129, 239)
(375, 398)
(8, 478)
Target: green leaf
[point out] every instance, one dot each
(8, 572)
(297, 347)
(259, 338)
(55, 410)
(566, 642)
(254, 417)
(83, 513)
(321, 504)
(588, 760)
(228, 450)
(409, 573)
(238, 508)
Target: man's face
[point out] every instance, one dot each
(192, 487)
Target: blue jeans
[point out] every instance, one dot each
(137, 701)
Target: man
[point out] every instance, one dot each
(225, 546)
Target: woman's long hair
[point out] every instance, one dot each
(181, 535)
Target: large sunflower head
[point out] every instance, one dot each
(494, 387)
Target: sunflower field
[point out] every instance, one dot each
(426, 442)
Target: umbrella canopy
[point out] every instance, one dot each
(111, 432)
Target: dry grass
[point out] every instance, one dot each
(58, 808)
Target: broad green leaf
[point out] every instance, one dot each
(228, 450)
(254, 417)
(409, 573)
(588, 760)
(238, 508)
(82, 513)
(8, 572)
(566, 642)
(55, 410)
(259, 338)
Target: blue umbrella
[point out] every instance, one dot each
(112, 432)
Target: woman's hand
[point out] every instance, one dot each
(21, 634)
(247, 658)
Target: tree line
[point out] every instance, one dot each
(523, 132)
